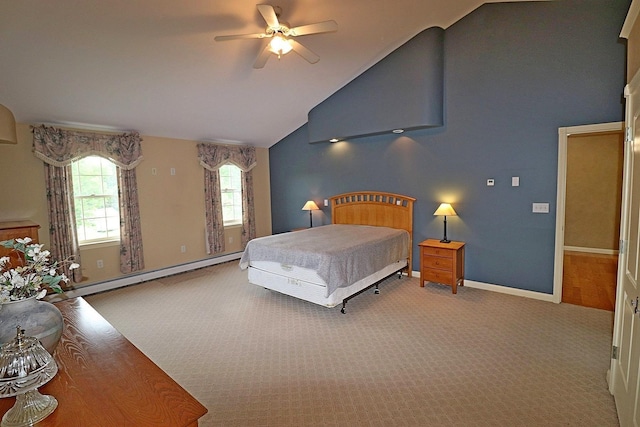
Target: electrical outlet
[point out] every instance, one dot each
(154, 171)
(491, 182)
(183, 249)
(100, 264)
(540, 208)
(173, 171)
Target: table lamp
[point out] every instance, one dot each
(310, 206)
(24, 366)
(445, 210)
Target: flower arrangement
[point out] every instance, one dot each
(35, 274)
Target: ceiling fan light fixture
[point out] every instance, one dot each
(280, 45)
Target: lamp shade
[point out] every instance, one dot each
(310, 206)
(445, 209)
(7, 126)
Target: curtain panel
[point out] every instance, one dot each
(62, 224)
(58, 148)
(212, 157)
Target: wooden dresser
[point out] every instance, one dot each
(17, 230)
(442, 263)
(104, 380)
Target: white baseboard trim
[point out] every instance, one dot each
(591, 250)
(182, 268)
(510, 291)
(144, 277)
(502, 289)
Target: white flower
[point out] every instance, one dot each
(17, 280)
(33, 272)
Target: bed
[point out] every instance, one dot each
(368, 240)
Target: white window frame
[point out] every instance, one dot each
(235, 173)
(79, 199)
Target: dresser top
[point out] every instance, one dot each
(7, 225)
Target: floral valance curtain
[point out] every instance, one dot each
(60, 147)
(212, 157)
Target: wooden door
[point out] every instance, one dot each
(625, 363)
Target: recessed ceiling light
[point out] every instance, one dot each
(397, 130)
(334, 140)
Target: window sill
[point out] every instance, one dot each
(232, 226)
(98, 245)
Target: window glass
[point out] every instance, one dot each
(95, 191)
(231, 194)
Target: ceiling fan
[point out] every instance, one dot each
(281, 36)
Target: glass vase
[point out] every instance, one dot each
(39, 319)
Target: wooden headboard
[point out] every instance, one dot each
(375, 208)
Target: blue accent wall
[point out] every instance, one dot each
(513, 74)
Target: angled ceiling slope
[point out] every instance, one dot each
(153, 65)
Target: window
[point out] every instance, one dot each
(95, 191)
(231, 193)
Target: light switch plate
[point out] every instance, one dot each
(515, 181)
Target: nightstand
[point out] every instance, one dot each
(442, 263)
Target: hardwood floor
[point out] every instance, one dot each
(589, 280)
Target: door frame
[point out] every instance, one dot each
(563, 137)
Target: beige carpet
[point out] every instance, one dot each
(409, 356)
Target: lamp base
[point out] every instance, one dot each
(30, 407)
(445, 241)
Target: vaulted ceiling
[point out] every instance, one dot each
(153, 65)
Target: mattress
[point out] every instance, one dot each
(336, 255)
(306, 284)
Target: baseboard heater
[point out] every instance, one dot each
(133, 279)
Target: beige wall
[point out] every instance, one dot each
(594, 190)
(171, 206)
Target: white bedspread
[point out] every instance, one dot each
(341, 254)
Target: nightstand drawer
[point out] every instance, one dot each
(438, 276)
(439, 252)
(438, 263)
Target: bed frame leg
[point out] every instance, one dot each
(344, 303)
(376, 290)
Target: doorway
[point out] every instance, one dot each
(587, 214)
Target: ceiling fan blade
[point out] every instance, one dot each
(269, 15)
(240, 36)
(262, 58)
(304, 52)
(320, 27)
